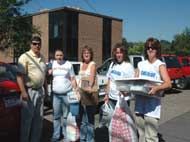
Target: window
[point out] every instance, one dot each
(136, 60)
(55, 31)
(106, 48)
(71, 35)
(171, 62)
(185, 62)
(63, 33)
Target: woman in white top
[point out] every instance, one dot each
(87, 107)
(120, 68)
(148, 109)
(63, 82)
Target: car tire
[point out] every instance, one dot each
(182, 84)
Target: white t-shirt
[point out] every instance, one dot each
(61, 77)
(149, 106)
(118, 71)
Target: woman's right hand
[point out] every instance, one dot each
(106, 99)
(78, 95)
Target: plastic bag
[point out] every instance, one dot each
(72, 97)
(106, 113)
(122, 127)
(72, 129)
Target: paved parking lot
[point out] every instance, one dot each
(175, 108)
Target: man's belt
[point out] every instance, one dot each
(33, 88)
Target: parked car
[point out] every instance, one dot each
(134, 59)
(174, 70)
(102, 82)
(185, 67)
(9, 104)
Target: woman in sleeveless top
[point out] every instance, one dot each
(148, 109)
(87, 107)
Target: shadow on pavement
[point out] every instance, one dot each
(173, 91)
(160, 137)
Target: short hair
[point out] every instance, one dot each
(152, 42)
(86, 47)
(36, 39)
(123, 50)
(58, 49)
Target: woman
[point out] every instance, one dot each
(63, 82)
(147, 109)
(88, 100)
(120, 68)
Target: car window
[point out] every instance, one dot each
(76, 68)
(7, 73)
(171, 62)
(136, 60)
(103, 69)
(185, 62)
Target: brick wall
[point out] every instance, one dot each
(90, 33)
(116, 32)
(42, 21)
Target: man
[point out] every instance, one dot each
(31, 80)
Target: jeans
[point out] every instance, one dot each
(60, 110)
(87, 126)
(32, 116)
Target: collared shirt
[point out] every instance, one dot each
(34, 69)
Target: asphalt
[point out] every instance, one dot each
(174, 124)
(176, 129)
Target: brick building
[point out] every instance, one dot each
(70, 29)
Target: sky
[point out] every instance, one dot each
(162, 19)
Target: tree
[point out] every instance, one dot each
(136, 48)
(15, 29)
(181, 43)
(166, 47)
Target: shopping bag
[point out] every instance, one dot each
(122, 127)
(86, 97)
(72, 129)
(106, 113)
(73, 97)
(73, 100)
(85, 82)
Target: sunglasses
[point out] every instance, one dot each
(151, 47)
(34, 43)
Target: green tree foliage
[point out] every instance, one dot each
(166, 47)
(136, 48)
(133, 47)
(124, 42)
(15, 30)
(181, 43)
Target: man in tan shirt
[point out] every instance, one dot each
(31, 79)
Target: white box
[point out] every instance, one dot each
(138, 86)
